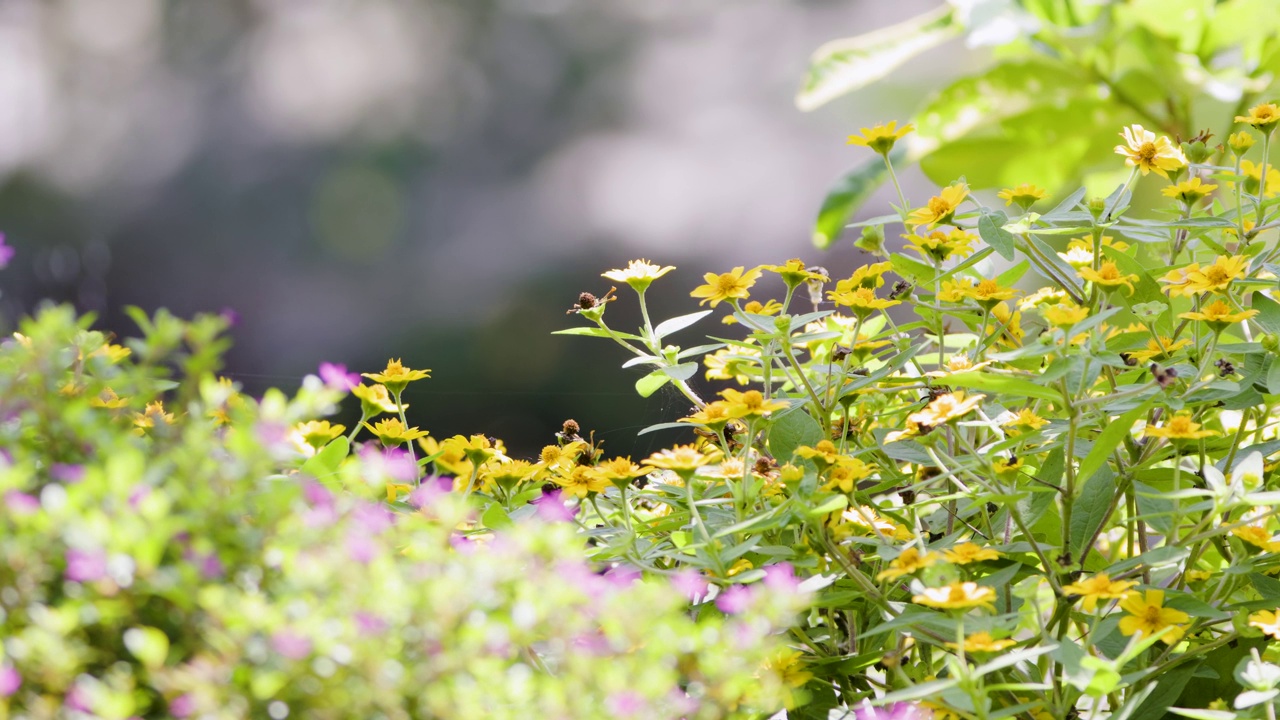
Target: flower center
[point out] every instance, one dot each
(1147, 153)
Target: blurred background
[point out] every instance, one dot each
(435, 180)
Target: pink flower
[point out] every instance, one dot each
(552, 508)
(182, 706)
(691, 584)
(66, 473)
(291, 645)
(6, 252)
(337, 377)
(20, 503)
(10, 679)
(734, 599)
(432, 487)
(86, 565)
(896, 711)
(781, 576)
(625, 703)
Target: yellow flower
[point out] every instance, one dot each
(824, 454)
(751, 404)
(475, 448)
(394, 490)
(1065, 315)
(734, 363)
(942, 244)
(560, 456)
(1262, 117)
(867, 276)
(983, 642)
(1007, 466)
(726, 286)
(1108, 275)
(881, 138)
(113, 353)
(1098, 587)
(107, 399)
(907, 562)
(1251, 173)
(1179, 427)
(753, 307)
(1143, 150)
(1161, 349)
(1216, 277)
(958, 364)
(505, 474)
(946, 408)
(794, 272)
(1268, 621)
(375, 400)
(1025, 195)
(715, 415)
(1043, 296)
(393, 432)
(396, 376)
(1077, 257)
(681, 458)
(154, 413)
(869, 522)
(861, 302)
(639, 274)
(1189, 191)
(1149, 616)
(621, 469)
(1240, 142)
(1219, 315)
(318, 433)
(1024, 418)
(988, 292)
(954, 291)
(957, 595)
(940, 208)
(968, 552)
(448, 456)
(582, 480)
(787, 666)
(846, 473)
(1008, 324)
(1257, 536)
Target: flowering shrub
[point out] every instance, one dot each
(172, 548)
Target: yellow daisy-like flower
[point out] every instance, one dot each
(733, 285)
(581, 481)
(1107, 275)
(1218, 315)
(393, 432)
(868, 276)
(846, 473)
(639, 274)
(786, 664)
(983, 642)
(1148, 615)
(941, 208)
(751, 403)
(1107, 242)
(957, 595)
(1179, 427)
(1008, 323)
(1024, 418)
(1251, 173)
(1257, 536)
(714, 416)
(861, 302)
(107, 399)
(969, 552)
(1098, 587)
(375, 400)
(946, 408)
(942, 244)
(681, 458)
(1077, 257)
(154, 414)
(505, 474)
(755, 307)
(113, 353)
(1261, 117)
(1065, 314)
(1189, 191)
(1043, 296)
(1160, 349)
(794, 272)
(1007, 467)
(1268, 621)
(824, 454)
(1216, 277)
(1025, 195)
(735, 363)
(318, 433)
(561, 456)
(907, 562)
(958, 364)
(987, 293)
(396, 376)
(881, 138)
(1240, 142)
(869, 522)
(954, 291)
(1143, 150)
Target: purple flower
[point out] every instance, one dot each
(432, 487)
(621, 576)
(369, 624)
(86, 565)
(625, 703)
(20, 503)
(734, 599)
(691, 584)
(6, 252)
(393, 462)
(290, 644)
(10, 680)
(337, 377)
(373, 518)
(781, 576)
(896, 711)
(66, 473)
(230, 315)
(138, 494)
(552, 507)
(182, 706)
(361, 548)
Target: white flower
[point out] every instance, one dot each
(1246, 477)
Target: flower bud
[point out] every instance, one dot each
(872, 240)
(1241, 142)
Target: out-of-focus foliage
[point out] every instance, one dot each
(170, 547)
(1064, 74)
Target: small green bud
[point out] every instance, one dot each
(1270, 342)
(872, 240)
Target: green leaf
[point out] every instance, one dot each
(1005, 384)
(1090, 510)
(651, 383)
(991, 228)
(790, 431)
(1268, 313)
(683, 371)
(1108, 440)
(842, 66)
(496, 518)
(676, 324)
(149, 645)
(911, 268)
(326, 463)
(1267, 587)
(1168, 688)
(597, 332)
(848, 194)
